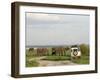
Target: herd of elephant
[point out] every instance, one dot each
(52, 51)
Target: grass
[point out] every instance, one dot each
(56, 58)
(32, 63)
(83, 60)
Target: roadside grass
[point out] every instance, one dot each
(56, 58)
(33, 62)
(83, 60)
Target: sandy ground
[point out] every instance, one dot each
(51, 63)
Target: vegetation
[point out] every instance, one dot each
(51, 57)
(32, 63)
(83, 60)
(56, 58)
(84, 49)
(31, 60)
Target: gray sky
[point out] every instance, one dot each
(56, 29)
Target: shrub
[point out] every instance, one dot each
(84, 49)
(32, 63)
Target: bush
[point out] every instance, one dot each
(84, 49)
(83, 60)
(32, 63)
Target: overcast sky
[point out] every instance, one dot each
(56, 29)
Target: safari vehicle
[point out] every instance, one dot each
(75, 51)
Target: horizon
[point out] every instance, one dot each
(28, 46)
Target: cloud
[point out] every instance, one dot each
(47, 19)
(56, 29)
(42, 17)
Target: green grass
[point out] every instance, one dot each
(56, 58)
(32, 63)
(83, 60)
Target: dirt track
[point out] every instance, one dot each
(52, 63)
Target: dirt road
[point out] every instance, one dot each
(51, 63)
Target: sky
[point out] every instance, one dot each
(56, 29)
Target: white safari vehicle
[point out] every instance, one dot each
(75, 52)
